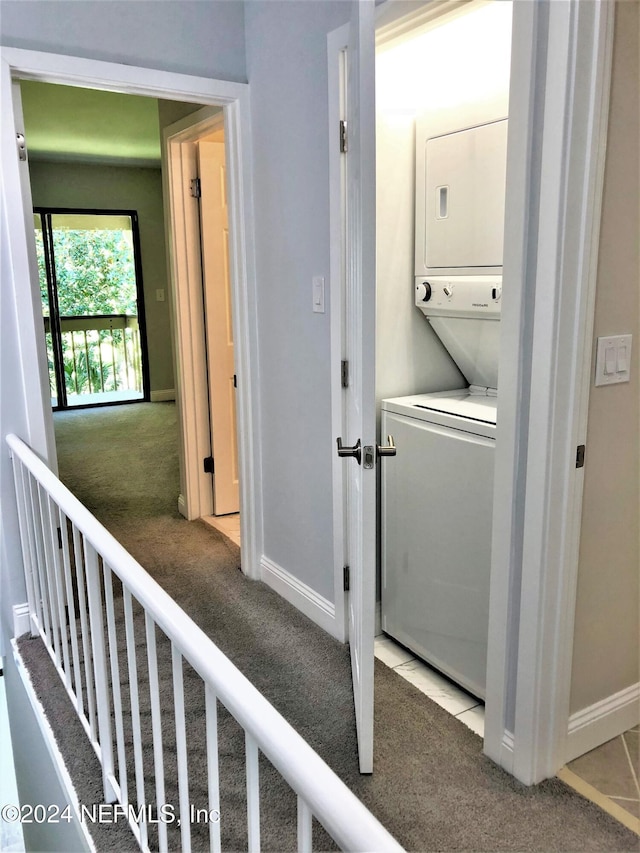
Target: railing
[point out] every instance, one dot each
(100, 353)
(78, 577)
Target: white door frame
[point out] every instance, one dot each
(560, 80)
(561, 75)
(182, 228)
(234, 98)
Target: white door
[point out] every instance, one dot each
(214, 231)
(359, 398)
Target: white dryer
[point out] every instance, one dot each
(437, 497)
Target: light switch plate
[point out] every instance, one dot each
(613, 357)
(317, 287)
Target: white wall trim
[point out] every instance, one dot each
(603, 721)
(52, 747)
(21, 619)
(163, 396)
(558, 113)
(296, 592)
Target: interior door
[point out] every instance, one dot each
(214, 229)
(360, 475)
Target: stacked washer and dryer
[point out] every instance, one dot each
(437, 498)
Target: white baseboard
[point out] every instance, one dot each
(21, 620)
(308, 601)
(163, 396)
(182, 506)
(603, 721)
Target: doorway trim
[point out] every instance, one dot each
(182, 228)
(234, 99)
(560, 81)
(560, 95)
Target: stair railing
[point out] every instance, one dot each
(71, 564)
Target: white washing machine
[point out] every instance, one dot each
(436, 540)
(437, 497)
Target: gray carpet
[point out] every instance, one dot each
(431, 786)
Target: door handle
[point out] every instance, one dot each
(389, 450)
(355, 451)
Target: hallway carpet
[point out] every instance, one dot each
(431, 787)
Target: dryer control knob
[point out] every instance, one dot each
(423, 292)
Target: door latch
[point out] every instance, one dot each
(369, 456)
(355, 451)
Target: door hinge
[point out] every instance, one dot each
(208, 465)
(22, 146)
(346, 577)
(344, 374)
(59, 539)
(580, 456)
(196, 188)
(343, 136)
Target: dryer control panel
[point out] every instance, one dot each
(459, 296)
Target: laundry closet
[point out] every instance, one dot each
(441, 137)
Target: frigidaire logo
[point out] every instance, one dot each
(479, 304)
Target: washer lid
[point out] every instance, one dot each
(464, 404)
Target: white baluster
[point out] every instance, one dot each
(156, 724)
(58, 580)
(213, 776)
(45, 625)
(71, 606)
(181, 749)
(78, 552)
(304, 827)
(253, 794)
(115, 683)
(135, 710)
(100, 670)
(50, 595)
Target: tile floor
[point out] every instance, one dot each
(612, 771)
(227, 524)
(466, 708)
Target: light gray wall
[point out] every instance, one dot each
(607, 628)
(112, 187)
(184, 36)
(287, 72)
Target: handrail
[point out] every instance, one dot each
(94, 322)
(341, 813)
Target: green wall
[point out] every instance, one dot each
(118, 187)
